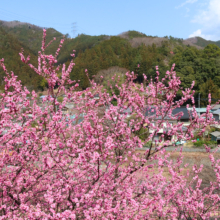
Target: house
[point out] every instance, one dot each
(68, 108)
(44, 97)
(72, 114)
(215, 136)
(75, 119)
(165, 126)
(186, 114)
(198, 110)
(127, 112)
(214, 108)
(216, 115)
(184, 117)
(96, 96)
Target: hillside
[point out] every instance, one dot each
(28, 34)
(9, 50)
(195, 58)
(31, 36)
(200, 42)
(203, 43)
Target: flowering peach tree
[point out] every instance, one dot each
(87, 164)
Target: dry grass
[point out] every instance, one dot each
(193, 158)
(137, 41)
(192, 42)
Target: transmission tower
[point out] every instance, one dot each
(74, 28)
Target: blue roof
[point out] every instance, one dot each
(200, 110)
(72, 118)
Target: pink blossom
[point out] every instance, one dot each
(78, 158)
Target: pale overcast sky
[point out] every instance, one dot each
(178, 18)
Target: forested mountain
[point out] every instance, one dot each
(201, 66)
(203, 43)
(117, 51)
(9, 50)
(28, 34)
(195, 58)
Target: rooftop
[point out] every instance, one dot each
(216, 133)
(217, 112)
(215, 107)
(184, 110)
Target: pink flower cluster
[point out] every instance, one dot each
(56, 166)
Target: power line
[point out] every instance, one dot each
(26, 17)
(73, 26)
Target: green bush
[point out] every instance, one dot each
(201, 143)
(60, 99)
(148, 144)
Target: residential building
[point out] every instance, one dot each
(215, 136)
(216, 115)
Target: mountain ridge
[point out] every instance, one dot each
(195, 58)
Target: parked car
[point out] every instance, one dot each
(181, 142)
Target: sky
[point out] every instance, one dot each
(177, 18)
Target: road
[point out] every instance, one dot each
(185, 149)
